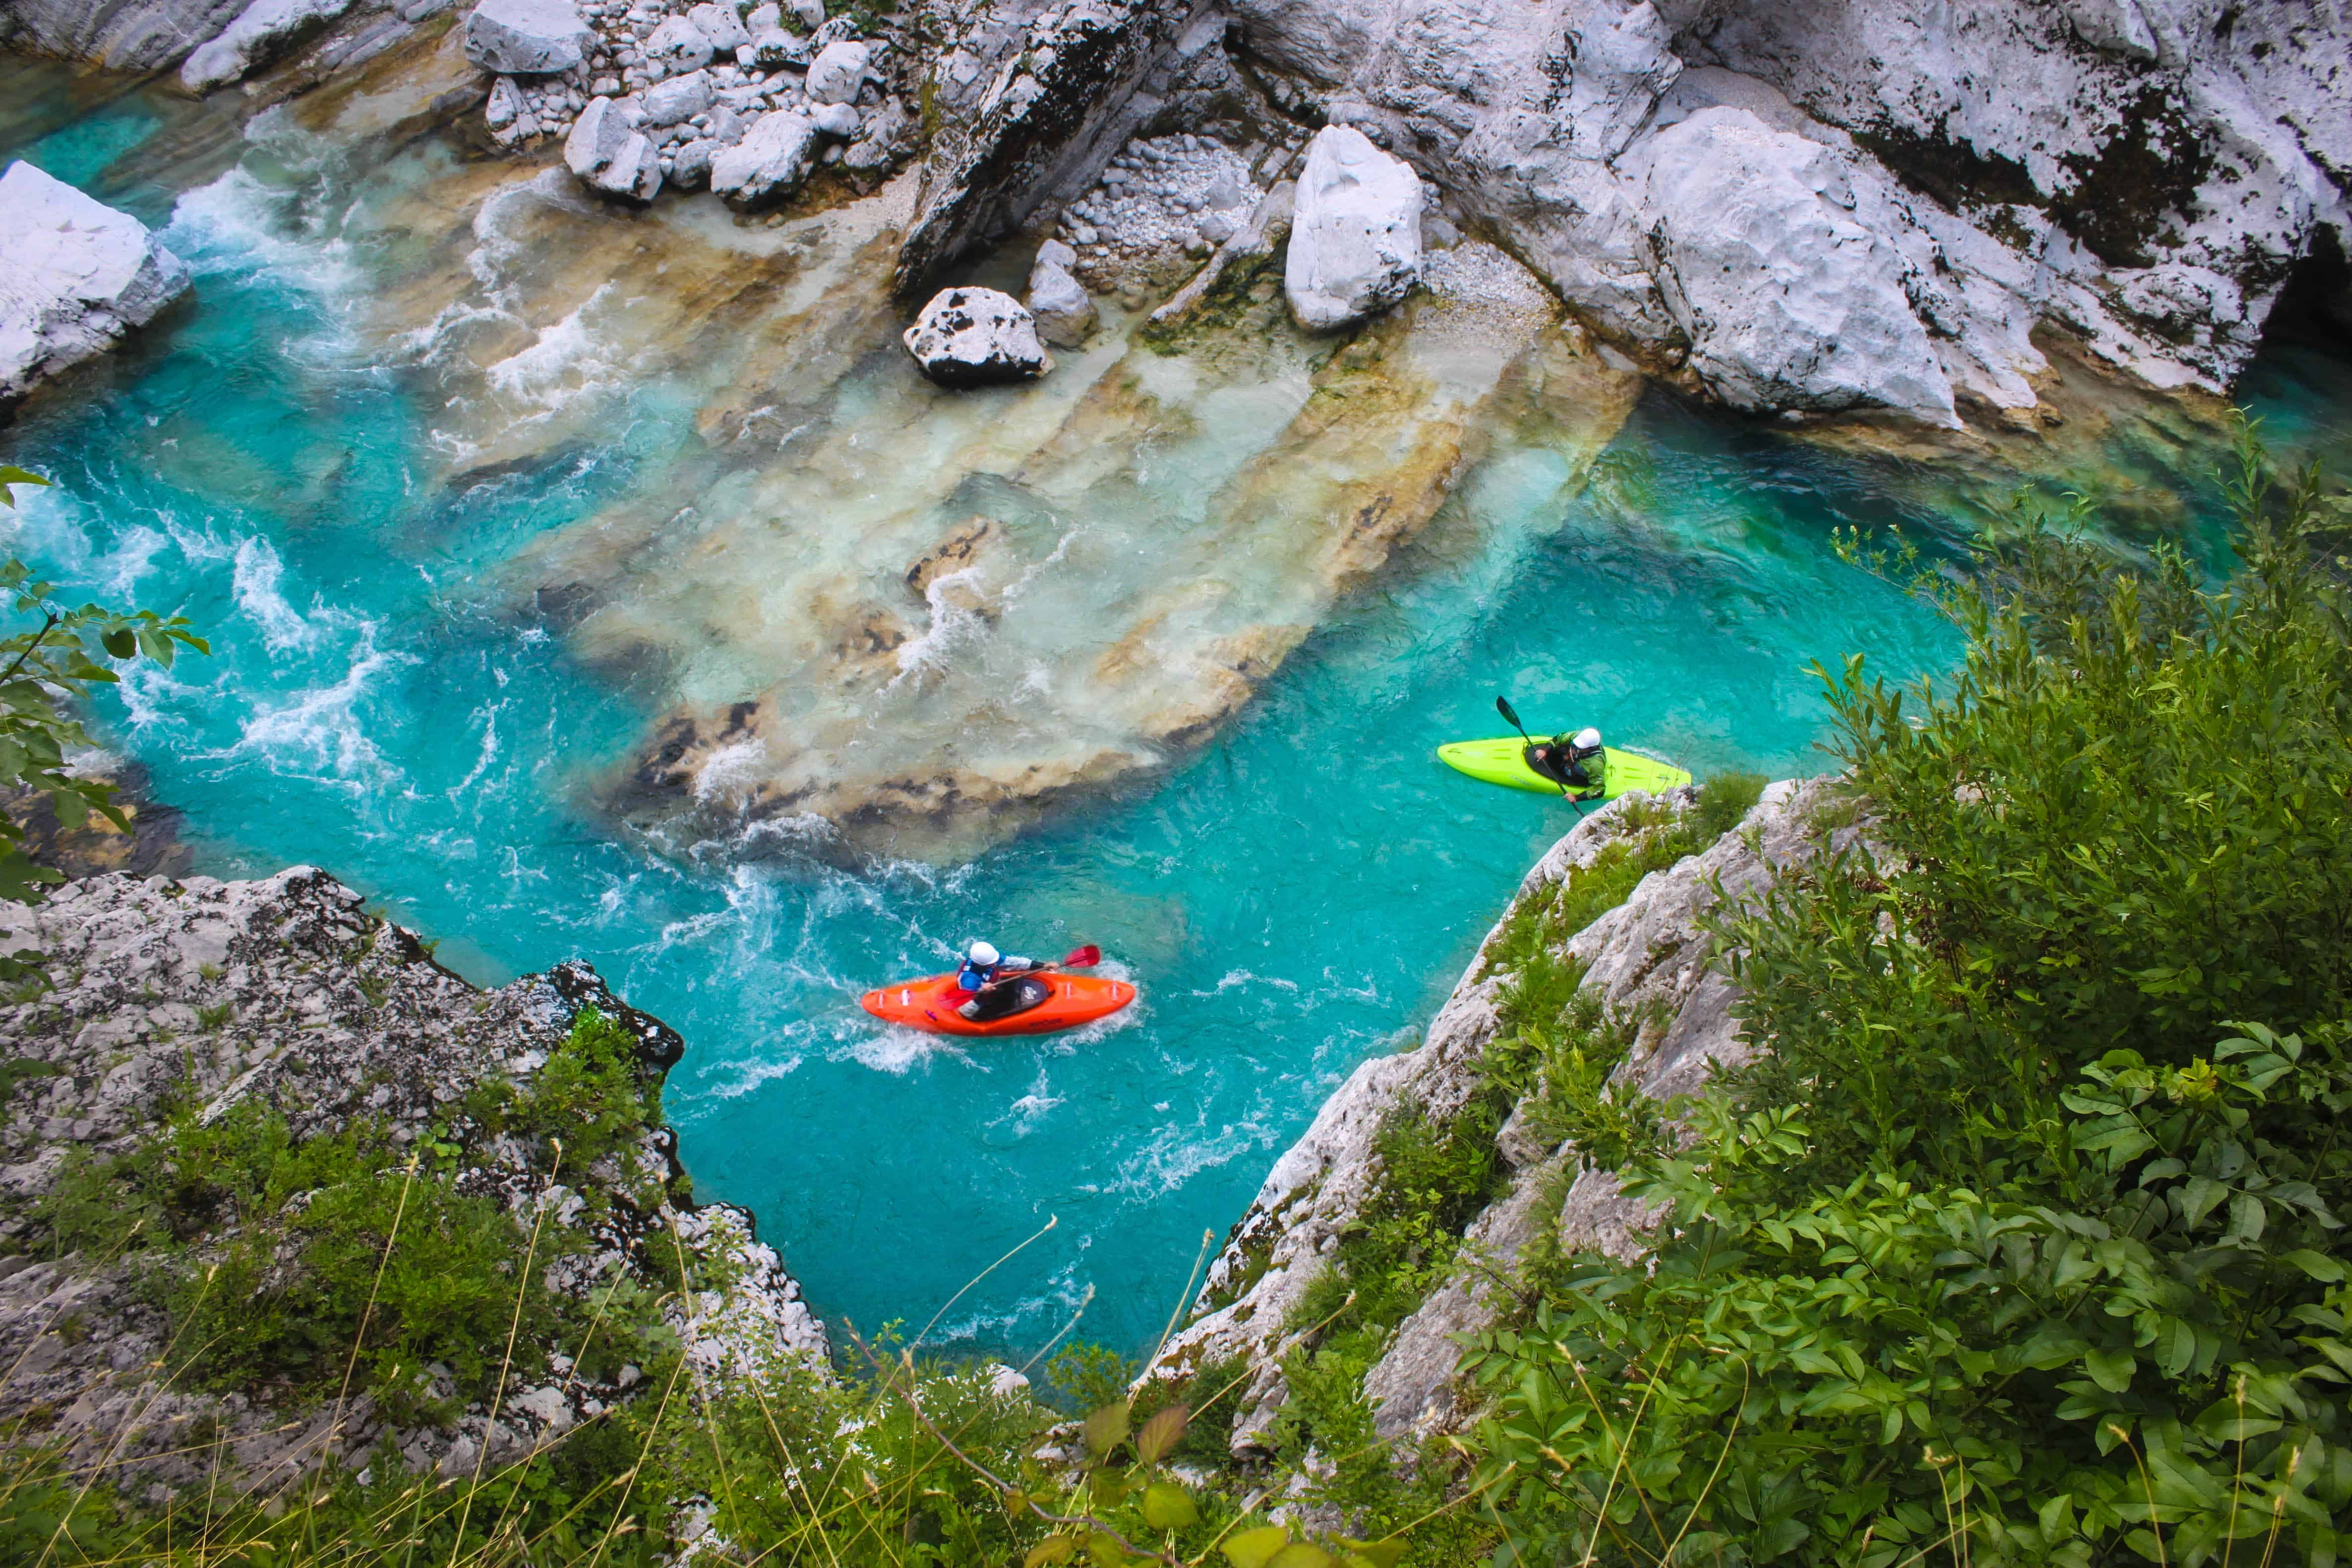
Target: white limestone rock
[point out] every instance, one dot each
(1786, 300)
(526, 38)
(720, 25)
(976, 337)
(809, 14)
(608, 153)
(505, 106)
(1355, 238)
(769, 163)
(690, 164)
(837, 72)
(836, 119)
(678, 45)
(1063, 312)
(681, 98)
(262, 31)
(75, 275)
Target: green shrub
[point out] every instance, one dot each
(2013, 1247)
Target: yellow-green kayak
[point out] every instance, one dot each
(1505, 761)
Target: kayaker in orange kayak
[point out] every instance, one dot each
(1044, 997)
(994, 979)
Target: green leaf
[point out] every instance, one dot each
(1053, 1548)
(120, 642)
(1374, 1553)
(2199, 1197)
(1255, 1548)
(10, 474)
(2318, 1264)
(1107, 1429)
(1161, 1433)
(2111, 1370)
(1169, 1507)
(1301, 1554)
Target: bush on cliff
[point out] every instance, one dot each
(2025, 1241)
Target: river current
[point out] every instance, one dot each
(1294, 898)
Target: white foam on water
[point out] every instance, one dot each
(320, 731)
(953, 629)
(898, 1051)
(1023, 1114)
(748, 1075)
(239, 224)
(1233, 978)
(733, 769)
(566, 362)
(1063, 1295)
(489, 715)
(259, 571)
(133, 557)
(1172, 1154)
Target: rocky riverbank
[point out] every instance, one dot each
(183, 1006)
(1814, 213)
(1649, 964)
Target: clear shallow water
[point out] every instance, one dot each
(1299, 896)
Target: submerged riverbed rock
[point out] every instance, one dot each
(976, 337)
(1355, 232)
(526, 38)
(75, 275)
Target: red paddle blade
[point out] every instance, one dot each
(1085, 957)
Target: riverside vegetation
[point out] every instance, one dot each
(2021, 1243)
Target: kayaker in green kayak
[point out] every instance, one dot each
(1578, 761)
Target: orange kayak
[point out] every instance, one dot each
(931, 1004)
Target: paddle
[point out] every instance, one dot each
(1503, 706)
(1085, 957)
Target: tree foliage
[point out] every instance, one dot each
(42, 669)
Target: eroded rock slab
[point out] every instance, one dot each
(75, 276)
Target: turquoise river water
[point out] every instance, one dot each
(1297, 896)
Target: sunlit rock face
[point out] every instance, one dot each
(75, 275)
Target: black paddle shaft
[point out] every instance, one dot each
(1503, 706)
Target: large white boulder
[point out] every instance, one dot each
(681, 98)
(1063, 312)
(526, 38)
(610, 155)
(769, 163)
(837, 72)
(75, 275)
(678, 44)
(976, 337)
(261, 32)
(720, 25)
(1787, 301)
(1355, 240)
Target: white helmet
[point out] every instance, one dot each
(1586, 737)
(982, 953)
